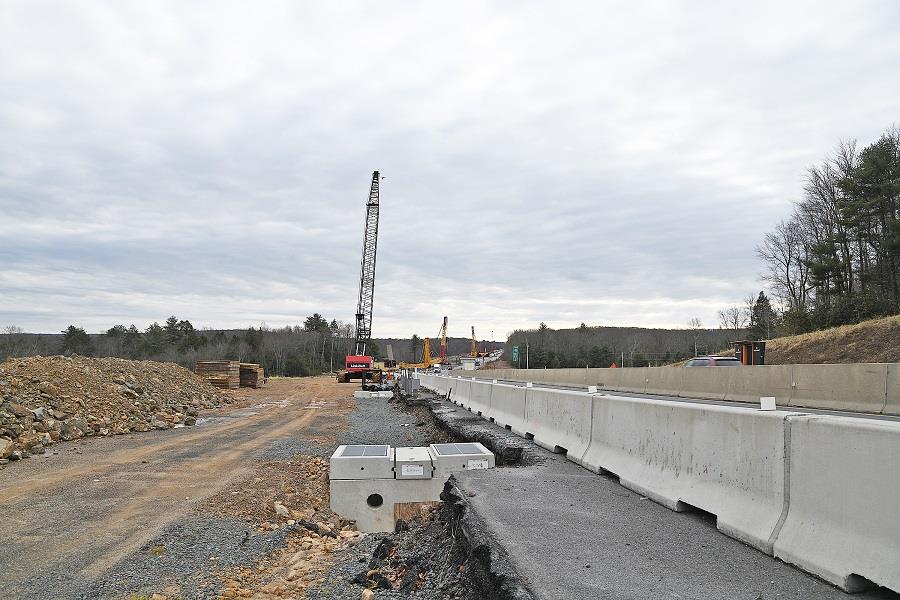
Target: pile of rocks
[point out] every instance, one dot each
(47, 399)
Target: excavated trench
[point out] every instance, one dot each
(488, 570)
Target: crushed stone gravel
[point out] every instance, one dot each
(186, 558)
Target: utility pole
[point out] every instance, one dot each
(526, 353)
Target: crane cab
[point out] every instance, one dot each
(357, 364)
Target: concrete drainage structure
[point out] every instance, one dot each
(368, 481)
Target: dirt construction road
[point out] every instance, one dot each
(66, 519)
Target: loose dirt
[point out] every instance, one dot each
(87, 505)
(44, 400)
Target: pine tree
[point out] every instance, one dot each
(762, 319)
(76, 341)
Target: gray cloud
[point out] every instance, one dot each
(589, 162)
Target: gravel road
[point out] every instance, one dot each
(104, 516)
(110, 517)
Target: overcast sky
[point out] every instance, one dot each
(559, 162)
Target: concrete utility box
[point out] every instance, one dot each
(451, 458)
(363, 462)
(412, 463)
(367, 482)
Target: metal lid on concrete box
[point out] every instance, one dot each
(449, 458)
(363, 462)
(412, 463)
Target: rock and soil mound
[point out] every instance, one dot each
(44, 400)
(873, 341)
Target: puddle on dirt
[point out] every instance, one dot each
(315, 405)
(242, 413)
(201, 421)
(276, 403)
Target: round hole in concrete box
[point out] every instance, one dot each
(374, 500)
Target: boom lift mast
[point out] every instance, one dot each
(474, 353)
(444, 360)
(426, 363)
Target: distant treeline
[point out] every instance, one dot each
(315, 347)
(836, 259)
(601, 346)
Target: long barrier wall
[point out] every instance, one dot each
(817, 491)
(866, 387)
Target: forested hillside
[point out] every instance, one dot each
(601, 346)
(315, 347)
(836, 258)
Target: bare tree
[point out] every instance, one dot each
(733, 318)
(696, 326)
(783, 252)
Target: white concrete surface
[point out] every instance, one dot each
(843, 521)
(726, 461)
(559, 419)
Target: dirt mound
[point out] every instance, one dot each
(496, 364)
(872, 341)
(47, 399)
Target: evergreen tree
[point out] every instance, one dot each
(154, 339)
(76, 341)
(595, 357)
(762, 319)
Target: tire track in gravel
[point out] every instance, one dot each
(84, 518)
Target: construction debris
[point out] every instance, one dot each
(252, 375)
(44, 400)
(225, 374)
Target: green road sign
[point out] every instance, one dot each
(515, 354)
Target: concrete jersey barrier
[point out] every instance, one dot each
(751, 383)
(856, 387)
(867, 387)
(559, 419)
(508, 407)
(817, 491)
(461, 391)
(724, 460)
(843, 522)
(892, 390)
(480, 397)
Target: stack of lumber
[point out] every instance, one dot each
(252, 375)
(220, 373)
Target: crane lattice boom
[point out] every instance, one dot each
(367, 270)
(444, 341)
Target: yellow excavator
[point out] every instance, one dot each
(426, 363)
